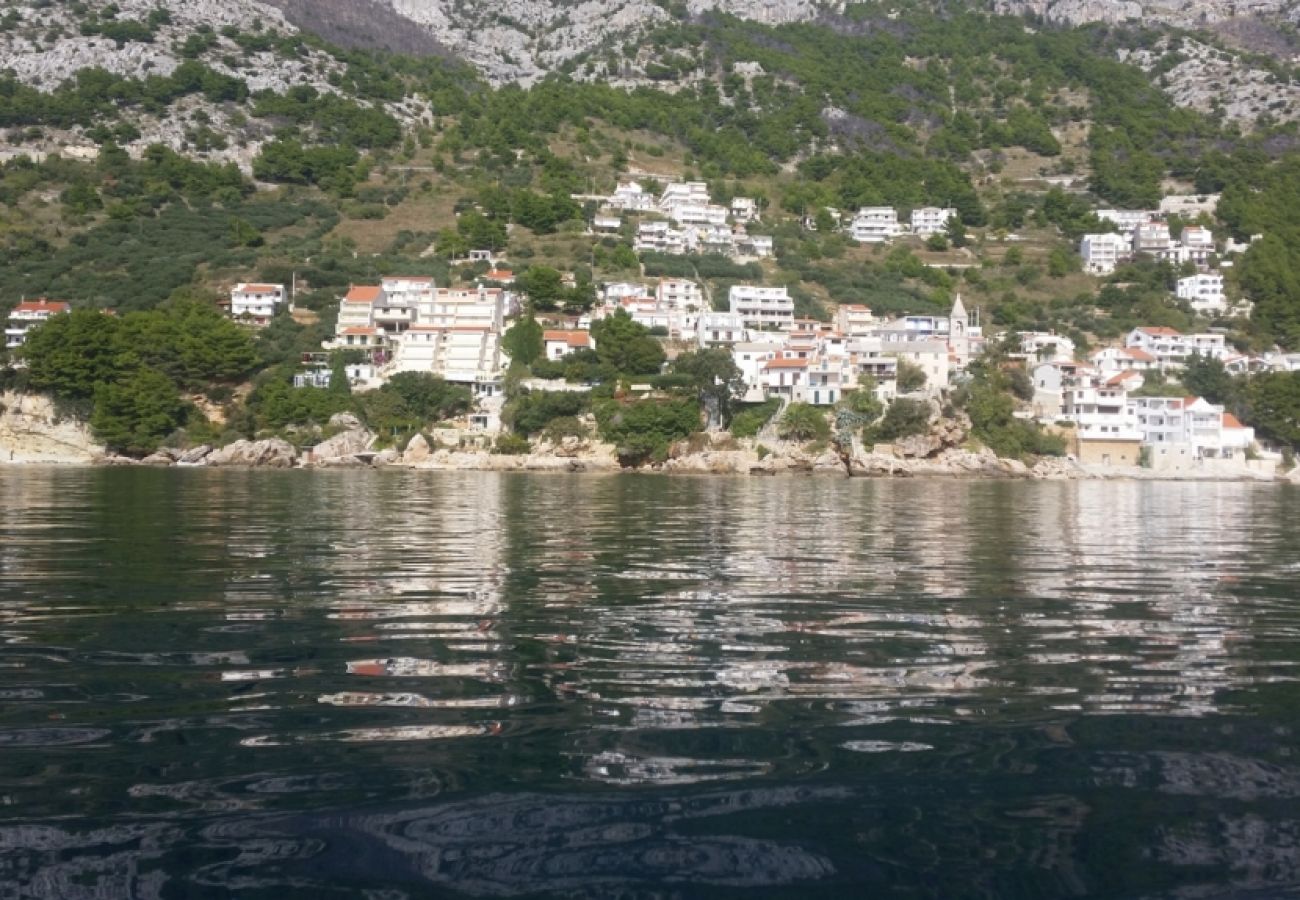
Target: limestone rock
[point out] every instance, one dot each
(343, 446)
(417, 451)
(160, 458)
(346, 421)
(272, 453)
(194, 455)
(33, 430)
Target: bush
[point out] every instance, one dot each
(804, 422)
(531, 413)
(645, 429)
(512, 445)
(749, 421)
(904, 418)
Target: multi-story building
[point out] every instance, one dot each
(631, 197)
(1191, 428)
(27, 315)
(1102, 253)
(1171, 347)
(1152, 238)
(255, 303)
(1196, 245)
(762, 307)
(679, 293)
(928, 220)
(1127, 219)
(875, 225)
(717, 329)
(855, 319)
(1203, 292)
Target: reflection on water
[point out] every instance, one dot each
(304, 684)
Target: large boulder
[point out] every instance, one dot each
(417, 451)
(272, 453)
(343, 445)
(346, 421)
(195, 455)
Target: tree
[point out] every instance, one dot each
(911, 377)
(904, 418)
(1205, 376)
(717, 379)
(69, 355)
(645, 429)
(339, 384)
(543, 285)
(1273, 406)
(134, 415)
(523, 341)
(626, 346)
(803, 422)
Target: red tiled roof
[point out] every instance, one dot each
(787, 364)
(1231, 421)
(356, 329)
(260, 288)
(572, 338)
(1161, 331)
(43, 305)
(363, 293)
(1135, 353)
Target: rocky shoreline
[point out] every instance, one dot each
(32, 432)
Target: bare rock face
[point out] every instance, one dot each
(344, 445)
(194, 455)
(32, 430)
(417, 451)
(272, 453)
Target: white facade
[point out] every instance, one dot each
(1127, 219)
(714, 329)
(875, 225)
(631, 197)
(27, 315)
(679, 293)
(762, 307)
(928, 220)
(1170, 347)
(1102, 253)
(1201, 429)
(855, 320)
(255, 303)
(1204, 292)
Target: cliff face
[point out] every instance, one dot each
(32, 431)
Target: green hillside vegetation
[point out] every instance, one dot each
(907, 109)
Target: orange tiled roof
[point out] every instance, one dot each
(43, 305)
(363, 293)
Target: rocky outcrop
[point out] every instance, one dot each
(417, 451)
(33, 431)
(342, 448)
(272, 453)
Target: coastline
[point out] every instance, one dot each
(32, 433)
(601, 460)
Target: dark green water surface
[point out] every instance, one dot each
(390, 684)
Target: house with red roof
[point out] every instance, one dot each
(27, 315)
(255, 303)
(559, 344)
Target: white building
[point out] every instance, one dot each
(1127, 219)
(679, 293)
(928, 220)
(1045, 346)
(1153, 238)
(27, 315)
(1189, 428)
(1196, 245)
(255, 303)
(744, 209)
(1203, 292)
(1171, 347)
(855, 320)
(715, 329)
(1102, 253)
(631, 197)
(875, 225)
(762, 307)
(559, 344)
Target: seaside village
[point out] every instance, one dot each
(411, 324)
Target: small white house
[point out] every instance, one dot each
(875, 225)
(1102, 253)
(1203, 292)
(27, 315)
(928, 220)
(255, 303)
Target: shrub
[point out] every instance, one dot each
(904, 418)
(749, 421)
(512, 445)
(804, 422)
